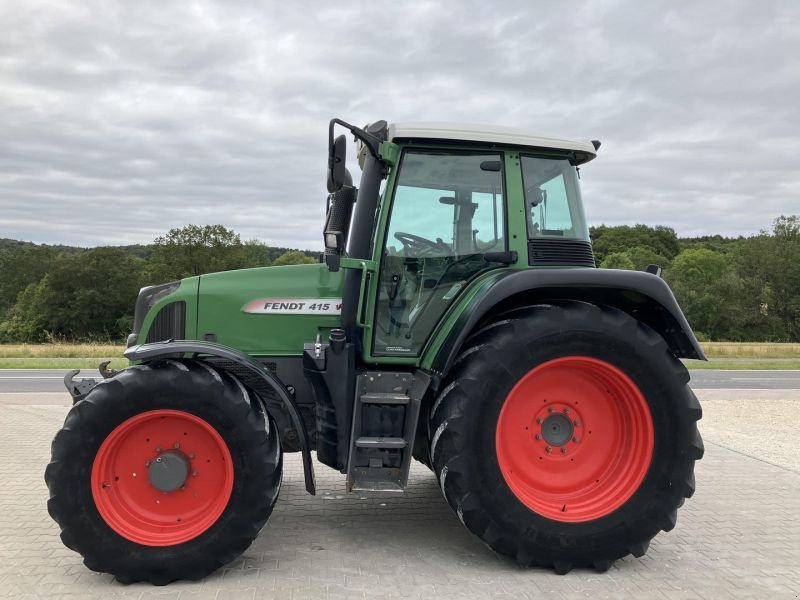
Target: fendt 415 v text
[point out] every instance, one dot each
(457, 317)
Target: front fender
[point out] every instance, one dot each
(644, 296)
(250, 371)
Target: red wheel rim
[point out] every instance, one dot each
(131, 504)
(574, 439)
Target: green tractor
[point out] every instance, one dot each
(456, 317)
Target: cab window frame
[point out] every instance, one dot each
(573, 197)
(381, 239)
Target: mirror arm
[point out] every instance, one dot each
(372, 142)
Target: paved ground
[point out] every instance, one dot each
(739, 537)
(51, 380)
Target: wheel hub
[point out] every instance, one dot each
(557, 429)
(168, 472)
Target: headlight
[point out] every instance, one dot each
(332, 239)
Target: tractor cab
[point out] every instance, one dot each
(457, 202)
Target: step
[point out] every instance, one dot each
(384, 398)
(377, 486)
(381, 442)
(378, 397)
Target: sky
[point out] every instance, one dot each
(121, 120)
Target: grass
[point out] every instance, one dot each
(750, 350)
(62, 355)
(60, 350)
(59, 363)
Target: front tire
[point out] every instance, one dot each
(565, 435)
(167, 471)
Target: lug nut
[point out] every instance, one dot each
(538, 420)
(158, 460)
(191, 454)
(551, 410)
(538, 436)
(576, 439)
(147, 463)
(563, 450)
(576, 423)
(548, 449)
(176, 446)
(194, 473)
(158, 448)
(566, 411)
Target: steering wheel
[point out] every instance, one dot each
(418, 246)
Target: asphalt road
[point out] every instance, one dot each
(51, 380)
(712, 379)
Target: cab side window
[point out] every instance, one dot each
(552, 199)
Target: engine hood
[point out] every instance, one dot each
(269, 310)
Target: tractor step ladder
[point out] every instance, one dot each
(384, 424)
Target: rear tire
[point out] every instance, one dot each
(188, 413)
(553, 366)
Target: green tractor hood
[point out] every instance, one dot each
(269, 310)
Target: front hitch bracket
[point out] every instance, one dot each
(78, 388)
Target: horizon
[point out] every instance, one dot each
(290, 246)
(121, 119)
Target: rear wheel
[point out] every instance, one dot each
(566, 436)
(167, 471)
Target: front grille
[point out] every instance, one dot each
(563, 253)
(169, 324)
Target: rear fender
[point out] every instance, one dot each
(644, 296)
(249, 371)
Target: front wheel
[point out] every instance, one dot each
(566, 435)
(167, 471)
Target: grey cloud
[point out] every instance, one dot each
(120, 120)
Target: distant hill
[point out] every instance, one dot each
(8, 245)
(144, 251)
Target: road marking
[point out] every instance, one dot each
(765, 379)
(745, 370)
(31, 377)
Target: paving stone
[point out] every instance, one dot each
(739, 537)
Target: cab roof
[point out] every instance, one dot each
(584, 150)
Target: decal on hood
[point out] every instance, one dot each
(294, 306)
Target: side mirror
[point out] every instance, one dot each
(337, 155)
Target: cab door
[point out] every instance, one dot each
(445, 226)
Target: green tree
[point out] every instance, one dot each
(708, 290)
(195, 249)
(642, 256)
(86, 295)
(659, 239)
(256, 254)
(21, 266)
(294, 257)
(769, 265)
(618, 260)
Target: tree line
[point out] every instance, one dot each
(731, 289)
(67, 293)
